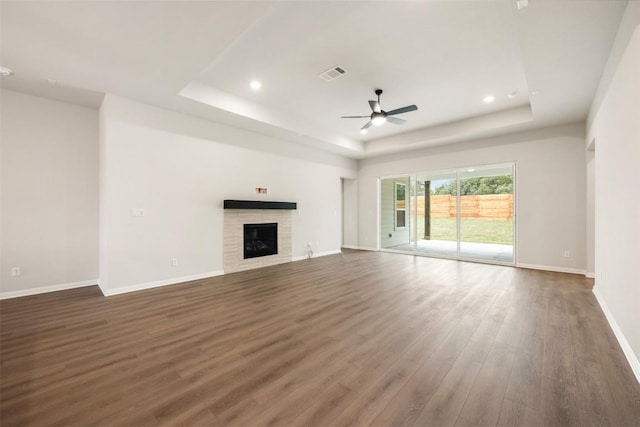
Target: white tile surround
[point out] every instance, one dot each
(234, 220)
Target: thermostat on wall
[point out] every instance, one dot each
(262, 190)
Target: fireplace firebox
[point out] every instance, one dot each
(260, 240)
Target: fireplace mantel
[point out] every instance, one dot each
(259, 204)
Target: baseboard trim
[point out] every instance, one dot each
(102, 289)
(354, 247)
(367, 248)
(46, 289)
(360, 248)
(319, 254)
(632, 358)
(158, 283)
(551, 268)
(590, 275)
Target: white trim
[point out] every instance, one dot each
(141, 286)
(367, 248)
(102, 289)
(361, 248)
(395, 204)
(632, 358)
(303, 257)
(514, 211)
(354, 247)
(149, 285)
(590, 275)
(45, 289)
(551, 268)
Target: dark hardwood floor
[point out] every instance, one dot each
(362, 338)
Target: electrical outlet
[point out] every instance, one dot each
(567, 254)
(174, 261)
(16, 271)
(138, 212)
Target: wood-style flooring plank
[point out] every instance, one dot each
(371, 402)
(358, 338)
(444, 406)
(518, 414)
(525, 381)
(407, 404)
(486, 396)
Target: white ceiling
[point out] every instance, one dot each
(444, 56)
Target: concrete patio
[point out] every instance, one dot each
(446, 248)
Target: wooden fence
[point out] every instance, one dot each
(490, 206)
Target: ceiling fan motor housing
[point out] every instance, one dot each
(379, 116)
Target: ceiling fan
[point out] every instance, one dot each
(379, 116)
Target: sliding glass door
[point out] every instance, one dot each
(437, 214)
(463, 214)
(486, 213)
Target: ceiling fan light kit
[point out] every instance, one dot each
(378, 116)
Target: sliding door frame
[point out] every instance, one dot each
(413, 212)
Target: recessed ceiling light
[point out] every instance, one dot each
(255, 85)
(470, 170)
(488, 99)
(535, 92)
(512, 95)
(363, 131)
(4, 71)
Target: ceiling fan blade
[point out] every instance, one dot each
(367, 126)
(375, 106)
(395, 120)
(355, 117)
(402, 110)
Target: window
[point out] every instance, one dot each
(401, 205)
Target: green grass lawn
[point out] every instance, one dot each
(472, 230)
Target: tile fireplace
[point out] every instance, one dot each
(256, 234)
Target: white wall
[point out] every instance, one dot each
(616, 130)
(627, 26)
(590, 213)
(49, 173)
(550, 189)
(180, 169)
(350, 212)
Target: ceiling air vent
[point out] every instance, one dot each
(332, 73)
